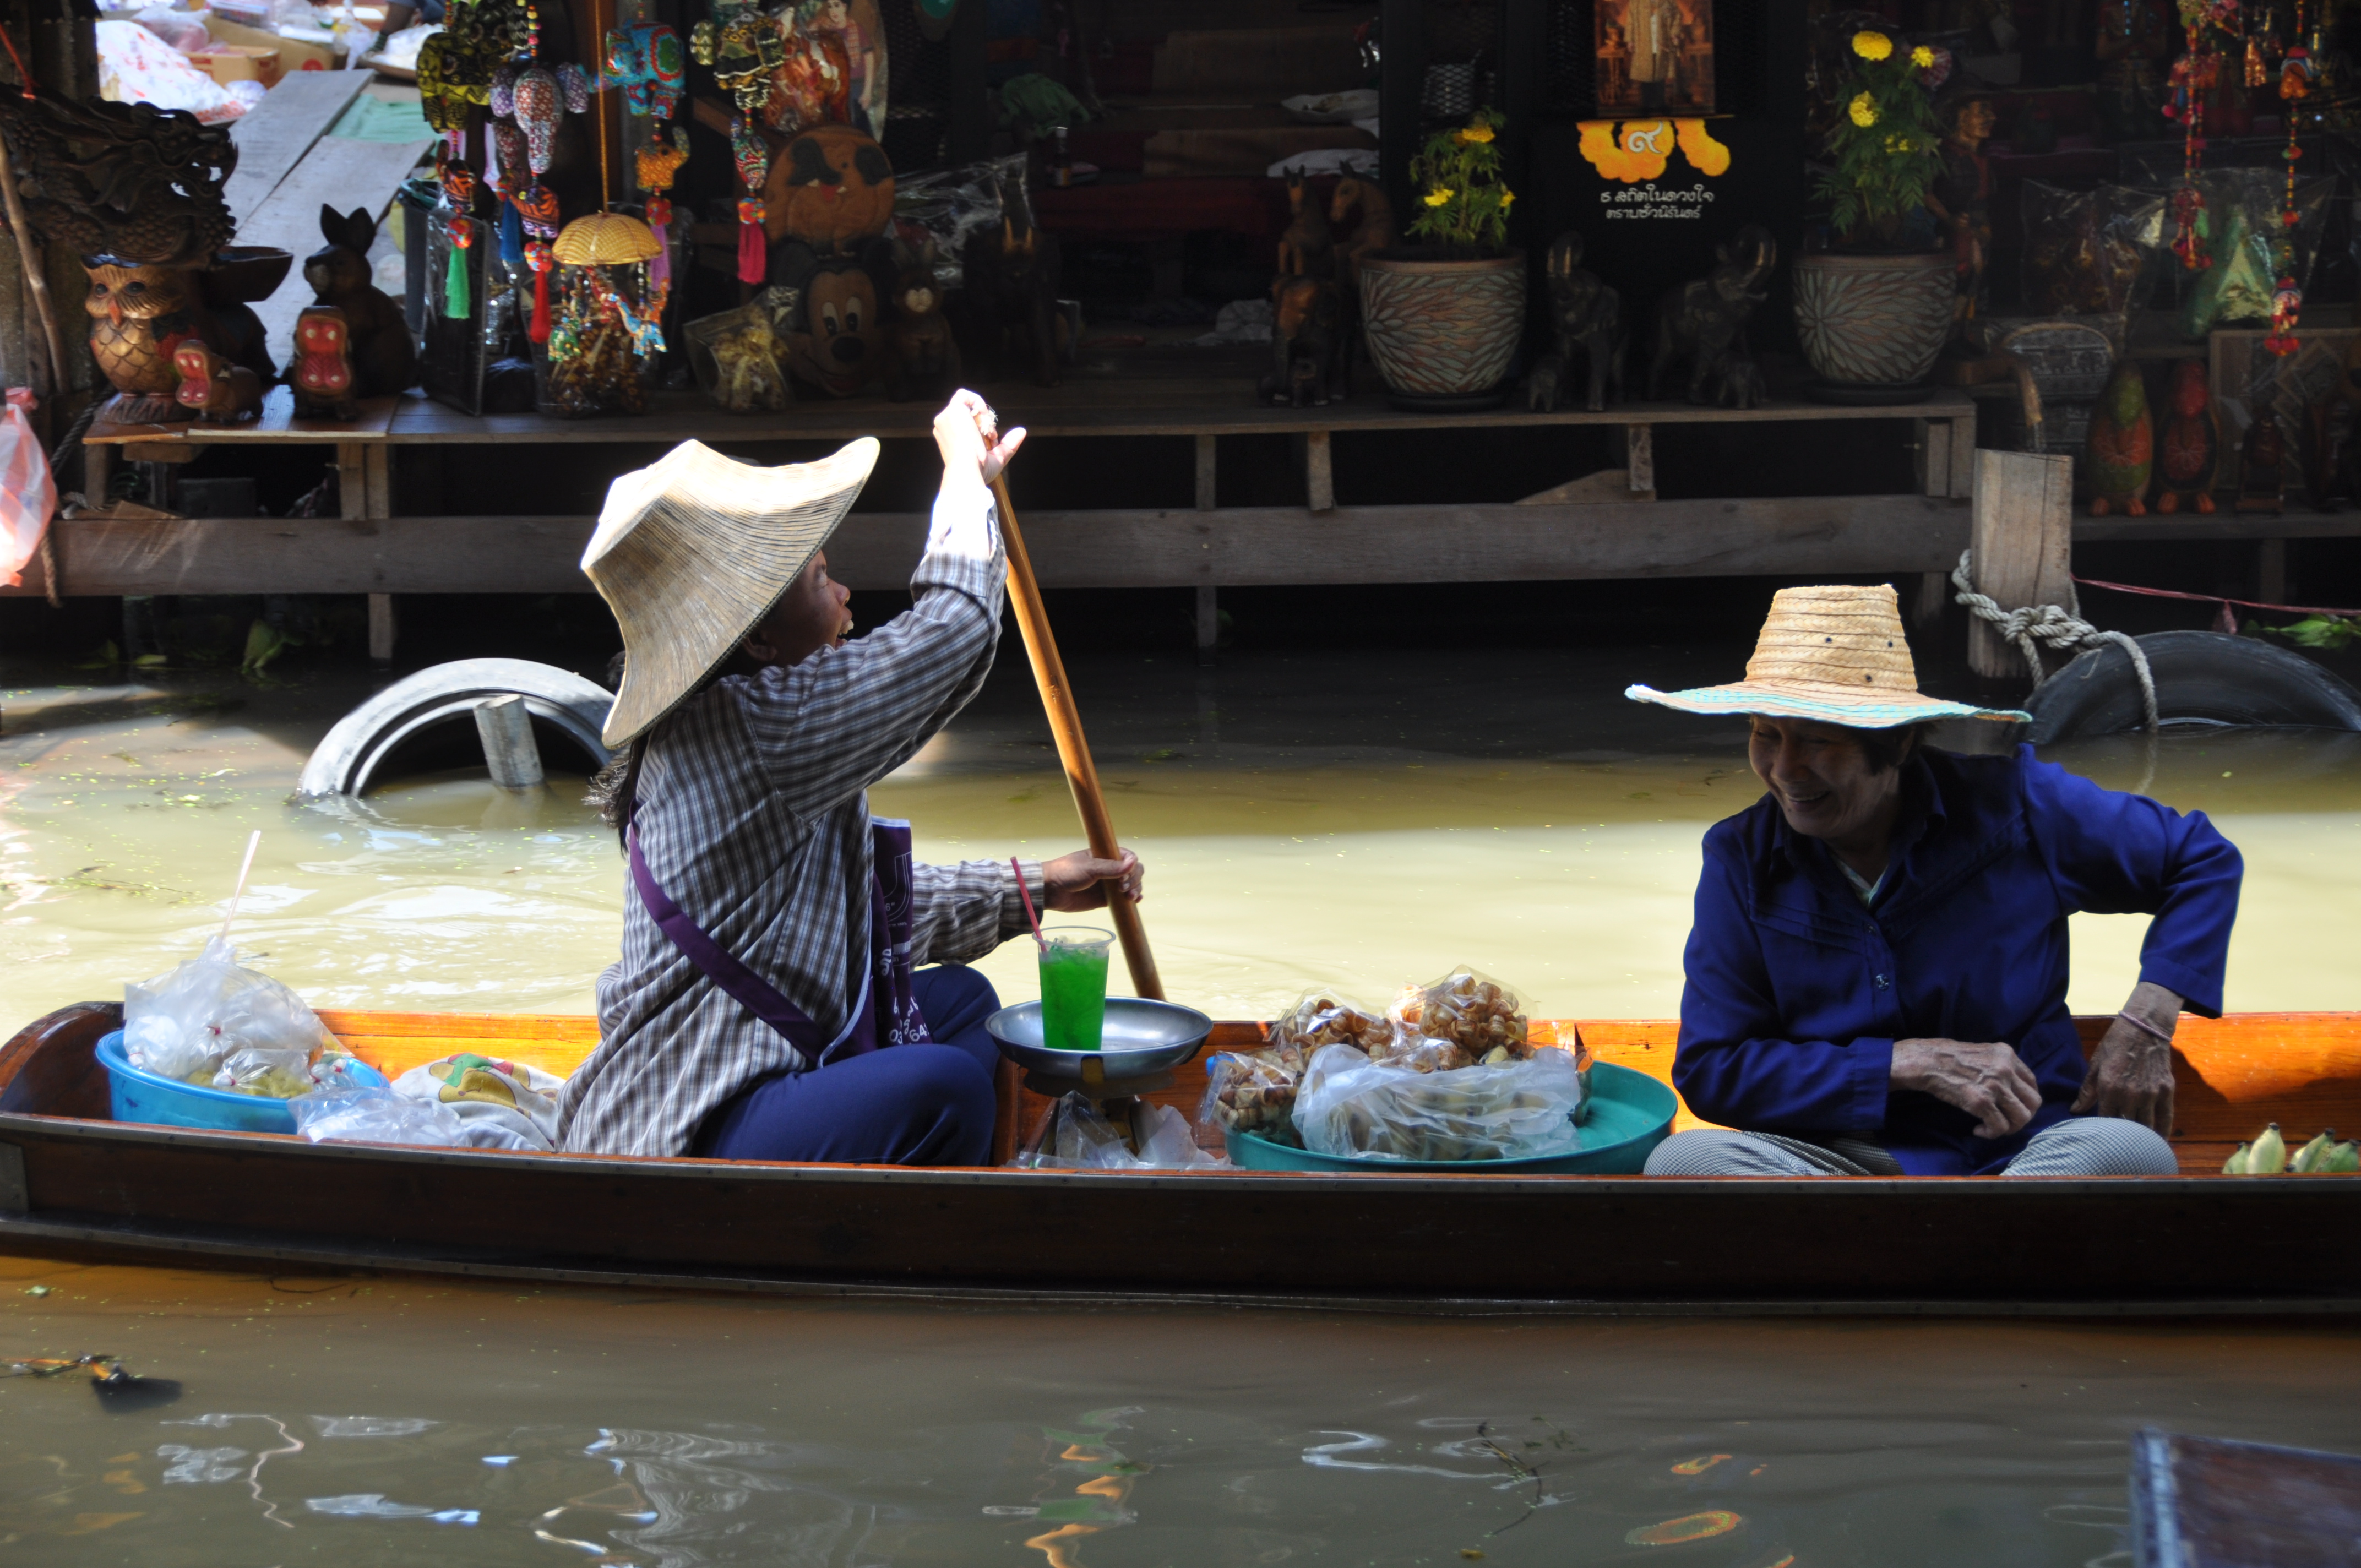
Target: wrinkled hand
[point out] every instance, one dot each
(2130, 1074)
(966, 433)
(1079, 881)
(1990, 1082)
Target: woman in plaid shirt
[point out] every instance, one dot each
(768, 1002)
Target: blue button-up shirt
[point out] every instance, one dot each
(1797, 991)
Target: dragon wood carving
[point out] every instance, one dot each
(128, 181)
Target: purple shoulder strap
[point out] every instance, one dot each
(751, 991)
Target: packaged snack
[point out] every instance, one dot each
(1320, 1018)
(1522, 1109)
(187, 1024)
(1472, 1010)
(1252, 1092)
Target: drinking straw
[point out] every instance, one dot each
(1026, 896)
(246, 866)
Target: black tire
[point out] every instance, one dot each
(2202, 677)
(348, 756)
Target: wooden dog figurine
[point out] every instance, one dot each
(322, 373)
(382, 358)
(1012, 287)
(221, 393)
(1701, 321)
(1306, 249)
(925, 355)
(1306, 321)
(1587, 317)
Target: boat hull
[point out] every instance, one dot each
(70, 1183)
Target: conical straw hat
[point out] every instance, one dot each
(693, 550)
(1836, 654)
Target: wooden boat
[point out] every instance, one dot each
(72, 1182)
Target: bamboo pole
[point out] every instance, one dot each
(35, 278)
(1066, 725)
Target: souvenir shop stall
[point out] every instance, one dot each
(1307, 292)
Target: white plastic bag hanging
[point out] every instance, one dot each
(28, 495)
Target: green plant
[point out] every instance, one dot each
(2324, 632)
(1886, 142)
(1462, 203)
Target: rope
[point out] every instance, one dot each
(2047, 624)
(2221, 599)
(71, 439)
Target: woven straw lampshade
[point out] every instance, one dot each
(605, 239)
(1836, 654)
(693, 550)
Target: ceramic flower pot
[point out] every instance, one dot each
(1872, 324)
(1443, 333)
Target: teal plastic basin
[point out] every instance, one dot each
(1630, 1114)
(137, 1095)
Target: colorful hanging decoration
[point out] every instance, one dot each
(752, 156)
(2298, 76)
(658, 164)
(606, 324)
(648, 64)
(458, 203)
(543, 260)
(743, 47)
(2197, 72)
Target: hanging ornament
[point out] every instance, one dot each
(536, 103)
(539, 256)
(457, 302)
(648, 63)
(752, 156)
(458, 188)
(2197, 72)
(658, 163)
(607, 321)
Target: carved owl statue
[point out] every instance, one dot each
(139, 314)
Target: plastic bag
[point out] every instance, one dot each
(1348, 1104)
(273, 1075)
(1471, 1011)
(135, 66)
(1322, 1018)
(28, 495)
(948, 204)
(212, 1007)
(376, 1116)
(2244, 220)
(1085, 1140)
(737, 355)
(1252, 1092)
(2085, 250)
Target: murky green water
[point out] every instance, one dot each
(417, 1422)
(1350, 821)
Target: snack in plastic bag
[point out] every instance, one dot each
(195, 1017)
(1473, 1012)
(1252, 1091)
(1525, 1109)
(1320, 1019)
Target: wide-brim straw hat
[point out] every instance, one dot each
(1836, 654)
(693, 550)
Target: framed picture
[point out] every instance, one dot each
(1654, 57)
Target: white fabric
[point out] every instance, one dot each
(135, 66)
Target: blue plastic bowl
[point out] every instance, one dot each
(138, 1095)
(1628, 1114)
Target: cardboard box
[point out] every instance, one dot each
(294, 54)
(227, 64)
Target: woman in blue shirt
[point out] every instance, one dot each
(1876, 978)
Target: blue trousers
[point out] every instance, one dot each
(902, 1105)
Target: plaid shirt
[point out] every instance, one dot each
(753, 814)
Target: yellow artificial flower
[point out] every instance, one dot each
(1871, 46)
(1922, 57)
(1863, 110)
(1507, 197)
(1475, 135)
(1439, 195)
(1900, 144)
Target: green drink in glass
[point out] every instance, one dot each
(1073, 987)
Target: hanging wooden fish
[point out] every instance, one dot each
(2191, 454)
(2120, 454)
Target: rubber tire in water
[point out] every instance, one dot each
(2204, 677)
(347, 757)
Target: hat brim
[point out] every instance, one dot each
(784, 517)
(1747, 697)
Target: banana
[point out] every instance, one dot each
(2237, 1164)
(2307, 1158)
(2269, 1158)
(2342, 1159)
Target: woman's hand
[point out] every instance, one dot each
(966, 433)
(1079, 881)
(2130, 1074)
(1990, 1082)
